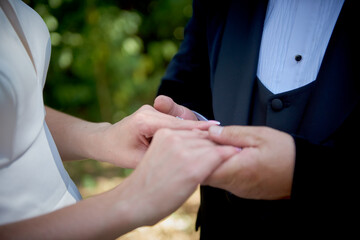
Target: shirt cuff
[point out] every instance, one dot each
(200, 117)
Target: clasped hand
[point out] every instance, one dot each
(172, 157)
(264, 167)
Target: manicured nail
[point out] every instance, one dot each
(215, 130)
(214, 121)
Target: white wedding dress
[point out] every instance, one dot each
(33, 180)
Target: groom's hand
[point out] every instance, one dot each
(263, 169)
(166, 105)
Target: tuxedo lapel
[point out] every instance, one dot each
(237, 61)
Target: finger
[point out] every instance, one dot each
(161, 120)
(212, 158)
(182, 134)
(240, 136)
(189, 124)
(166, 105)
(227, 152)
(229, 172)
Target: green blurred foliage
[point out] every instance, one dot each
(107, 59)
(108, 56)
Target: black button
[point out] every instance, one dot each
(277, 104)
(298, 58)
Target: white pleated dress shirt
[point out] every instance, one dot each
(295, 37)
(33, 180)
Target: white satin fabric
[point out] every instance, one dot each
(33, 180)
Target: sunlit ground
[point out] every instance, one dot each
(101, 177)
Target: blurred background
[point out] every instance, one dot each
(107, 59)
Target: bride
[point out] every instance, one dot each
(37, 197)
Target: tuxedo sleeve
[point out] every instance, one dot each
(327, 171)
(187, 79)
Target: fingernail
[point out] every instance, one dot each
(213, 121)
(215, 130)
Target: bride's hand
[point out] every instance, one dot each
(125, 142)
(174, 165)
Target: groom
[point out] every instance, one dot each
(296, 168)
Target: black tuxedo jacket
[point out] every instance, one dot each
(214, 74)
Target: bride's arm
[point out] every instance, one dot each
(123, 143)
(93, 218)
